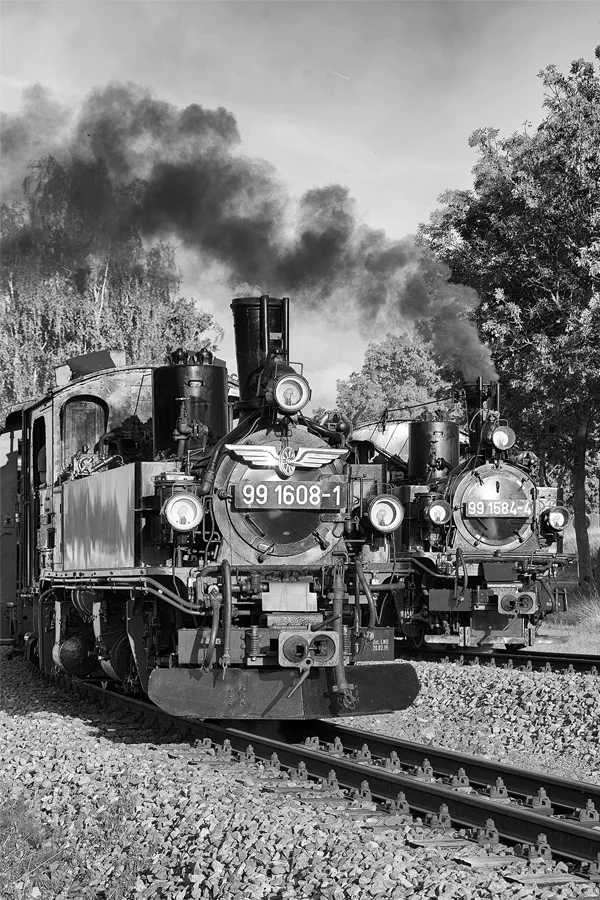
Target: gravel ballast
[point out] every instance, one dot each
(537, 720)
(104, 809)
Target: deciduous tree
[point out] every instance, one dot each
(75, 277)
(399, 373)
(527, 237)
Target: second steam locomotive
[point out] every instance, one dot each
(480, 542)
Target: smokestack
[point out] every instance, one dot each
(261, 327)
(481, 398)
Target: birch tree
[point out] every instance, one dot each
(75, 277)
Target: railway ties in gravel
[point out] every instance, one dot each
(395, 773)
(431, 780)
(565, 795)
(523, 659)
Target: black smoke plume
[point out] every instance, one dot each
(182, 174)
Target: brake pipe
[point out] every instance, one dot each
(227, 614)
(45, 594)
(356, 609)
(461, 559)
(215, 602)
(367, 592)
(342, 687)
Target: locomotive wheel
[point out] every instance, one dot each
(418, 638)
(32, 653)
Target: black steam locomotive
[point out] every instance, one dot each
(479, 541)
(219, 553)
(206, 544)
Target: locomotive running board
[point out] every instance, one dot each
(260, 694)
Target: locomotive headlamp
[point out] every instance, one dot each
(291, 393)
(385, 513)
(183, 511)
(503, 437)
(557, 518)
(438, 513)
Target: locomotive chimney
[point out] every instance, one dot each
(261, 327)
(480, 398)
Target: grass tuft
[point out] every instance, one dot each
(578, 629)
(40, 862)
(583, 612)
(579, 626)
(570, 541)
(26, 848)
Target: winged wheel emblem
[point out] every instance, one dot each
(286, 460)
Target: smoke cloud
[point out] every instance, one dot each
(41, 127)
(183, 175)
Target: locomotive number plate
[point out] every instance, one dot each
(293, 495)
(499, 509)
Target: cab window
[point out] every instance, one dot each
(39, 454)
(84, 421)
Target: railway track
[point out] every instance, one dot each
(522, 659)
(545, 817)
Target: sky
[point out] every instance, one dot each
(378, 96)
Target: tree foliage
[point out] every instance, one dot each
(75, 277)
(399, 373)
(527, 238)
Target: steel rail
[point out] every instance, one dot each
(567, 794)
(507, 659)
(515, 823)
(567, 838)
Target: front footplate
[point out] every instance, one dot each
(263, 694)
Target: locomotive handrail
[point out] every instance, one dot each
(339, 436)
